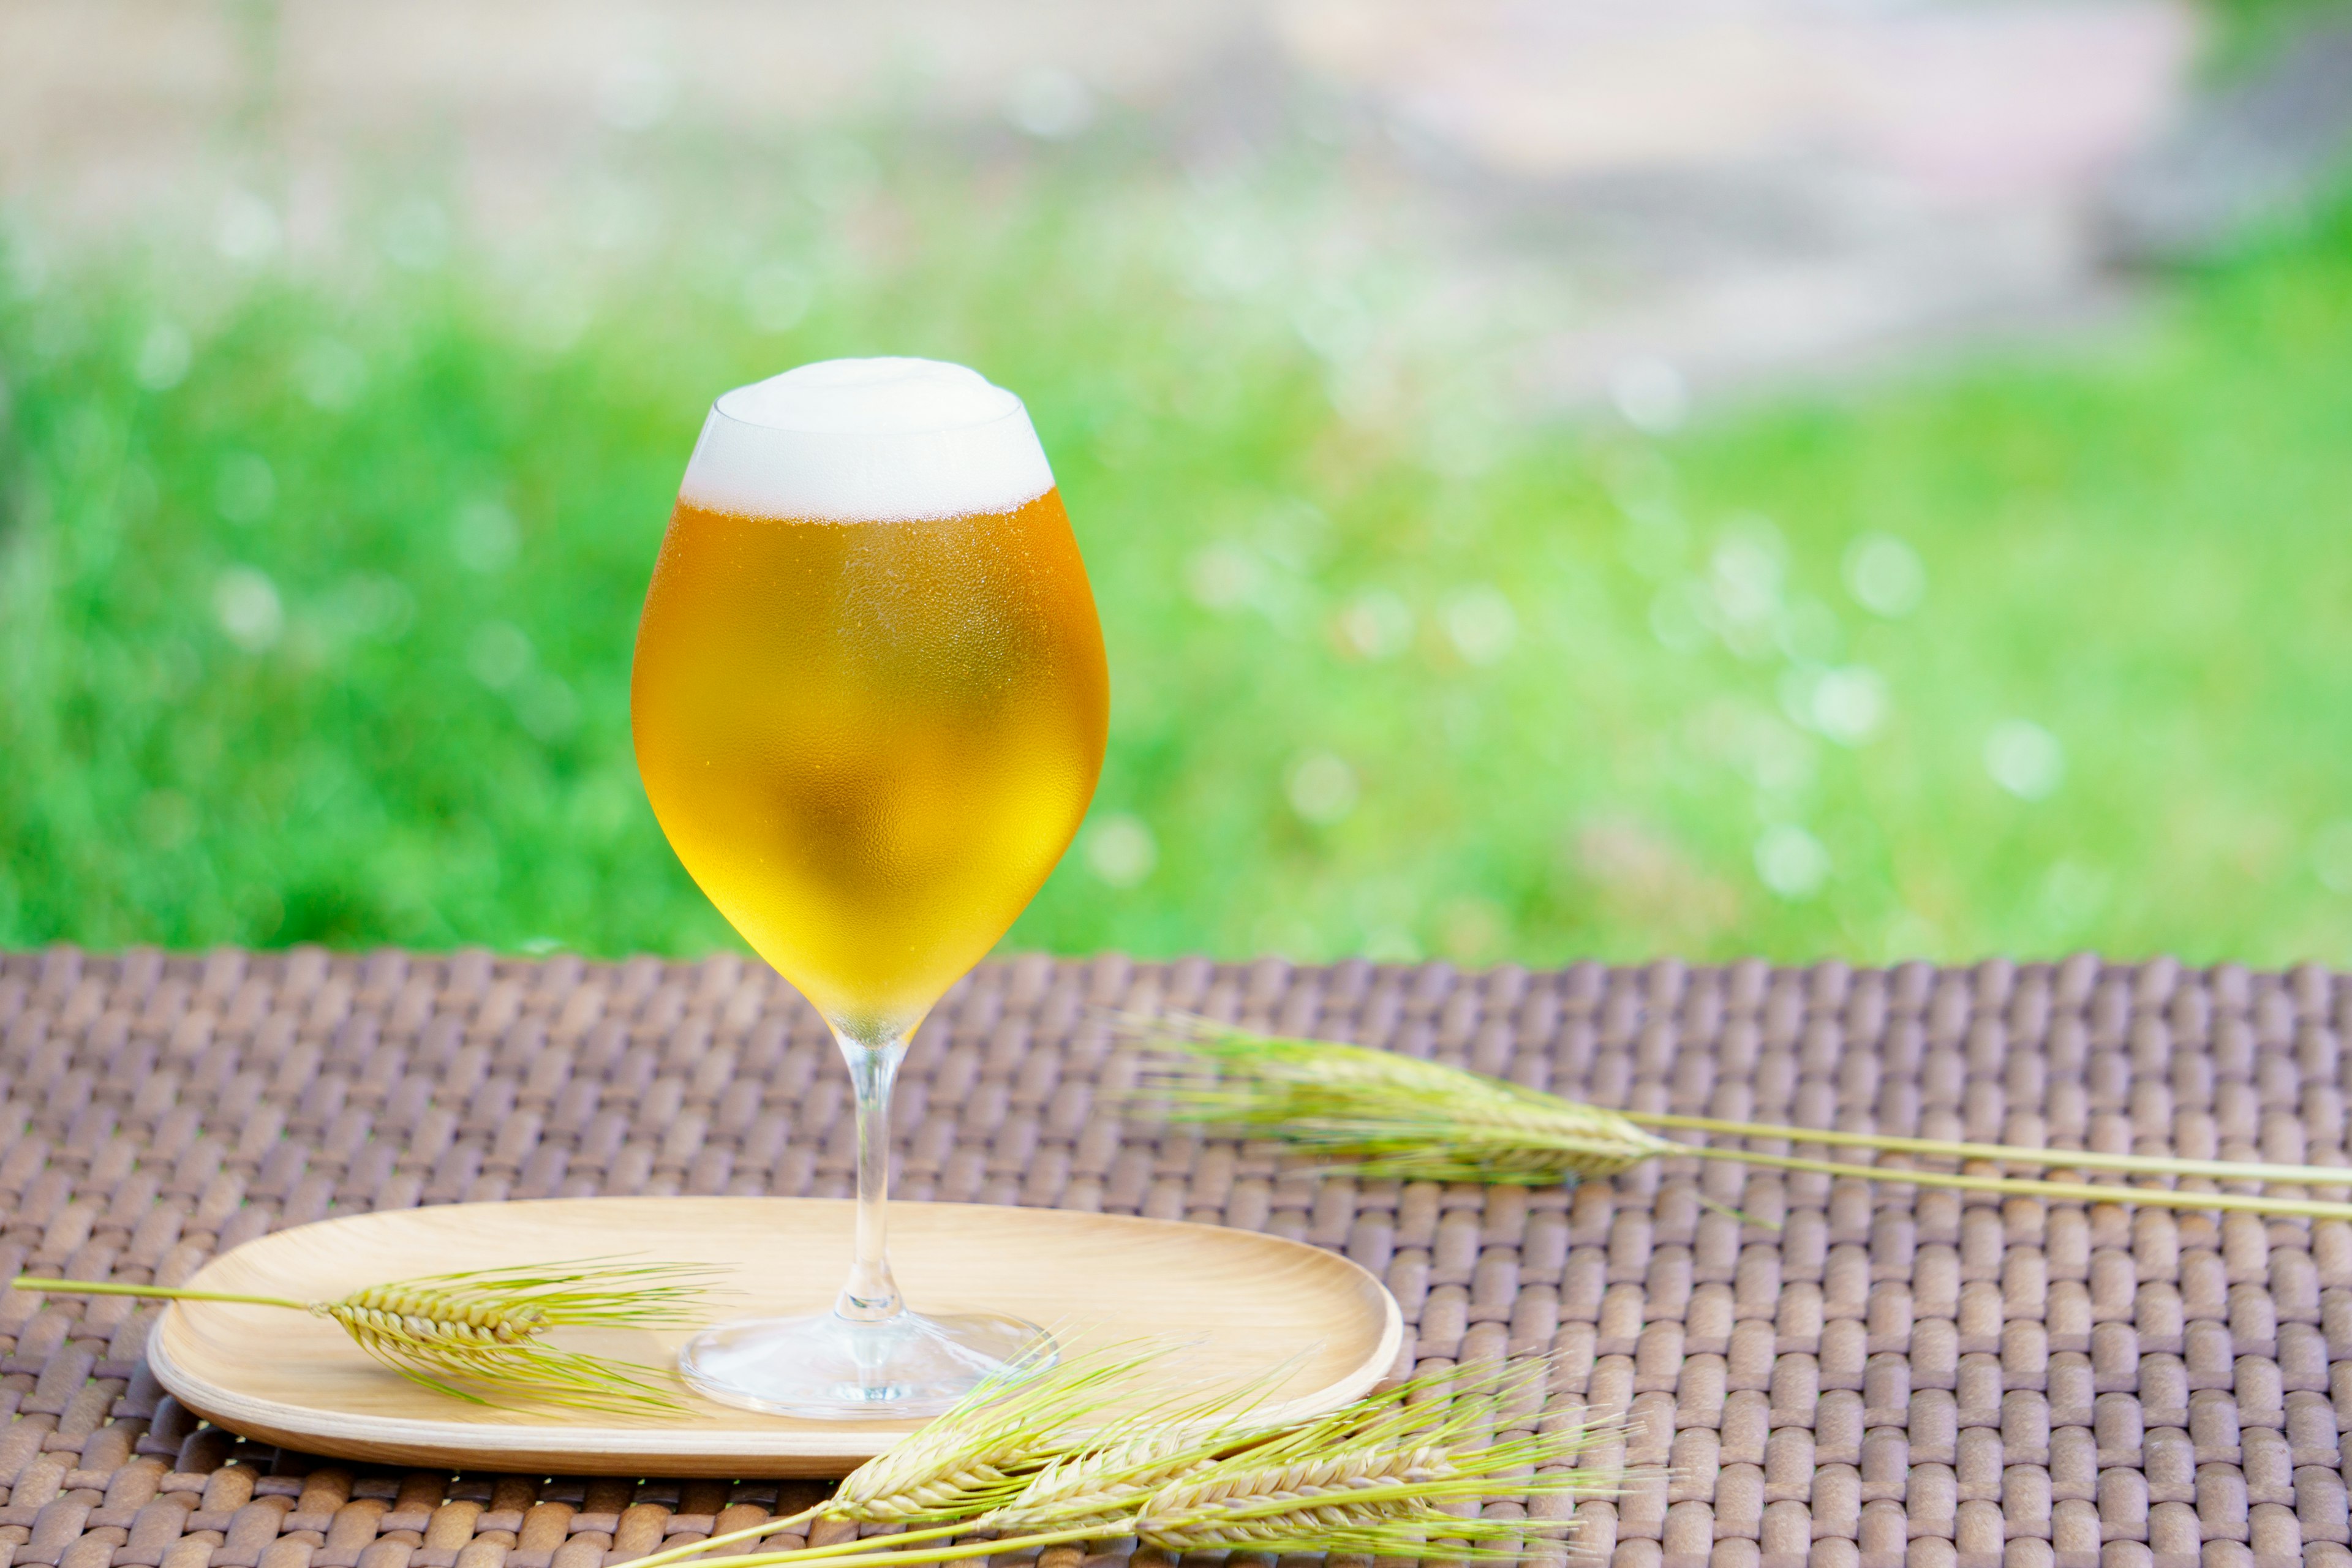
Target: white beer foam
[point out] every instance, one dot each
(860, 440)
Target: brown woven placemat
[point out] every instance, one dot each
(1895, 1377)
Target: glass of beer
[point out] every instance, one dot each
(869, 703)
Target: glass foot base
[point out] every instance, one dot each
(828, 1368)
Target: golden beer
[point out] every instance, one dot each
(870, 704)
(869, 742)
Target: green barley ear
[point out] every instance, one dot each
(971, 1459)
(1387, 1475)
(1108, 1472)
(1398, 1473)
(1373, 1113)
(476, 1335)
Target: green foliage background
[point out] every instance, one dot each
(316, 598)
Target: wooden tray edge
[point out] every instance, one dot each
(784, 1455)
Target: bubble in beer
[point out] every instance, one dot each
(867, 440)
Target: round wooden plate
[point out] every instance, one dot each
(1240, 1303)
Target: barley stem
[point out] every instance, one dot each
(1184, 1471)
(768, 1527)
(482, 1328)
(927, 1554)
(161, 1292)
(2072, 1159)
(2018, 1186)
(1388, 1116)
(795, 1553)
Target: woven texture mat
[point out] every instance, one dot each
(1894, 1376)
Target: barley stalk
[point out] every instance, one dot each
(1387, 1115)
(969, 1461)
(477, 1335)
(1371, 1113)
(1376, 1475)
(1271, 1506)
(973, 1458)
(1102, 1478)
(1102, 1485)
(2014, 1154)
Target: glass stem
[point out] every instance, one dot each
(872, 1295)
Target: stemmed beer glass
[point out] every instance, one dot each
(869, 703)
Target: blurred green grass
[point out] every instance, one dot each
(316, 596)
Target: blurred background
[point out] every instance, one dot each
(1595, 477)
